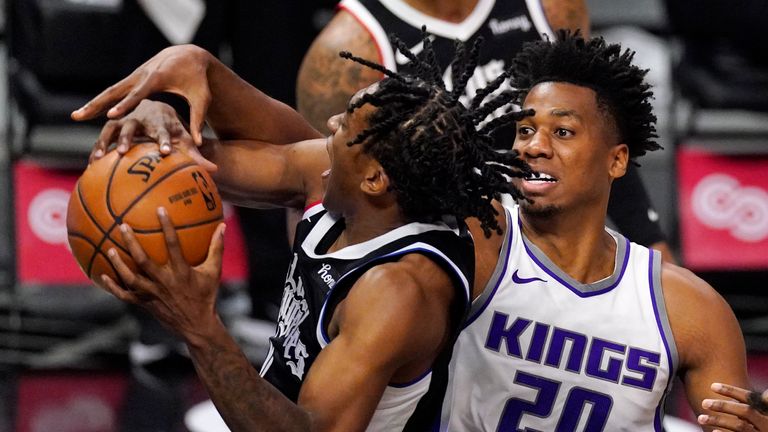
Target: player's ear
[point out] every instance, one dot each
(619, 161)
(375, 179)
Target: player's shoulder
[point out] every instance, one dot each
(694, 307)
(345, 33)
(687, 294)
(411, 269)
(414, 276)
(697, 313)
(681, 282)
(326, 81)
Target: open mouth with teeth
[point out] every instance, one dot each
(537, 177)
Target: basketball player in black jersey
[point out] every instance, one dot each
(381, 279)
(326, 82)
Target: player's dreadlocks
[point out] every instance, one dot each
(621, 91)
(440, 160)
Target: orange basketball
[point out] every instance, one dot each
(128, 189)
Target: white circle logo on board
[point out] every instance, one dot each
(79, 413)
(720, 202)
(47, 215)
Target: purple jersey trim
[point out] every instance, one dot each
(659, 409)
(479, 311)
(573, 289)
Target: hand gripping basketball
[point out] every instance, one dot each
(180, 69)
(181, 296)
(155, 120)
(128, 189)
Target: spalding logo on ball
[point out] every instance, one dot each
(128, 189)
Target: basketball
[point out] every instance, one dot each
(129, 189)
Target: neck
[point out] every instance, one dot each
(365, 224)
(577, 243)
(447, 10)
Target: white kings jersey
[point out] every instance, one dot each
(542, 352)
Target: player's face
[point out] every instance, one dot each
(573, 146)
(347, 162)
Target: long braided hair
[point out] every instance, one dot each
(438, 152)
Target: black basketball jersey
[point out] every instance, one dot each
(317, 281)
(504, 26)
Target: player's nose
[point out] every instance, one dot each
(539, 145)
(333, 123)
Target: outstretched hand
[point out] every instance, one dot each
(155, 120)
(180, 69)
(748, 411)
(181, 296)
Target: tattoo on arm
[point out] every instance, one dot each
(326, 81)
(246, 401)
(567, 14)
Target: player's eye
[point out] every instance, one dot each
(563, 133)
(525, 130)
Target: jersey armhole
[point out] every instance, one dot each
(660, 310)
(335, 296)
(312, 209)
(540, 21)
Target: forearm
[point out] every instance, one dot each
(257, 174)
(245, 401)
(240, 111)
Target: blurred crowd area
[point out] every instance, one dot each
(74, 359)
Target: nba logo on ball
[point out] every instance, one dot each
(129, 189)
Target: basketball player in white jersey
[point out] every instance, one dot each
(383, 267)
(699, 325)
(578, 329)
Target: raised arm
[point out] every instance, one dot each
(232, 107)
(258, 174)
(326, 81)
(707, 335)
(241, 111)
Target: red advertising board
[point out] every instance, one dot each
(69, 402)
(723, 203)
(43, 257)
